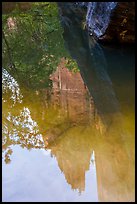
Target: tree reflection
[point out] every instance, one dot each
(54, 115)
(32, 48)
(112, 147)
(32, 44)
(73, 118)
(17, 125)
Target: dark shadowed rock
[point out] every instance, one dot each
(106, 21)
(98, 17)
(121, 27)
(111, 21)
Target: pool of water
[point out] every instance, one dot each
(75, 140)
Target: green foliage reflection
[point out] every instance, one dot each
(33, 44)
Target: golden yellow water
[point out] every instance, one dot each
(56, 146)
(73, 141)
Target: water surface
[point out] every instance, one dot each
(73, 141)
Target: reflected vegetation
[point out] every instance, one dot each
(99, 66)
(82, 117)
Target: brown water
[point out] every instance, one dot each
(74, 141)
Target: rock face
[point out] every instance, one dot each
(78, 9)
(71, 95)
(98, 17)
(106, 21)
(112, 21)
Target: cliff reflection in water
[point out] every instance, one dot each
(69, 125)
(87, 117)
(99, 67)
(74, 142)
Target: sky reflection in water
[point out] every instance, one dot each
(74, 142)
